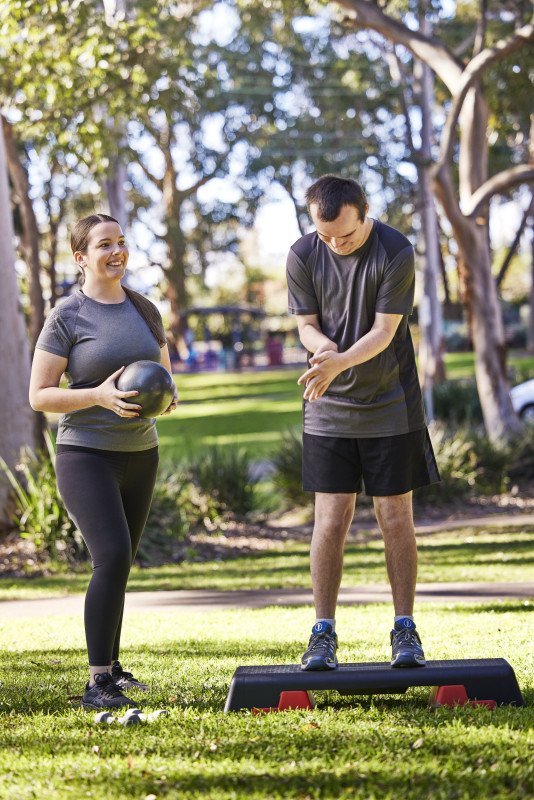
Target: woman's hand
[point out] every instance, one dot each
(174, 403)
(108, 396)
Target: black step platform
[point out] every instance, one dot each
(483, 679)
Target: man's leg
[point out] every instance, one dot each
(333, 516)
(395, 519)
(394, 515)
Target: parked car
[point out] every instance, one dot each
(523, 400)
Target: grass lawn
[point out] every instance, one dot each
(471, 554)
(368, 747)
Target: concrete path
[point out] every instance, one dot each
(206, 600)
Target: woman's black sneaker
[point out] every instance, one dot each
(321, 652)
(125, 680)
(105, 694)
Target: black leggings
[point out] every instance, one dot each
(107, 495)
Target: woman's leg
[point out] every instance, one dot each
(89, 485)
(136, 492)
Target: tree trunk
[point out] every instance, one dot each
(16, 416)
(431, 363)
(31, 235)
(116, 193)
(531, 316)
(487, 327)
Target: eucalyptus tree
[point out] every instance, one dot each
(460, 171)
(16, 417)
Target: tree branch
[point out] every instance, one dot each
(470, 74)
(157, 181)
(497, 184)
(517, 238)
(205, 178)
(366, 14)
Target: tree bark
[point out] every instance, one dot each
(467, 206)
(31, 235)
(431, 365)
(16, 416)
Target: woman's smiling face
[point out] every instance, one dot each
(106, 254)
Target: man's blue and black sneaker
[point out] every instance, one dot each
(321, 652)
(407, 650)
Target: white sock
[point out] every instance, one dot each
(331, 622)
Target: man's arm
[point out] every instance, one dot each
(311, 335)
(327, 364)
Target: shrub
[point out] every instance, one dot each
(288, 469)
(177, 508)
(457, 402)
(521, 459)
(39, 512)
(224, 475)
(468, 462)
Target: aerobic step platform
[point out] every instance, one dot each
(280, 687)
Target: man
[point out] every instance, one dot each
(351, 285)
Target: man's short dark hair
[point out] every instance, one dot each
(330, 193)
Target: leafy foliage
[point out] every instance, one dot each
(288, 465)
(39, 512)
(468, 462)
(457, 402)
(224, 475)
(177, 508)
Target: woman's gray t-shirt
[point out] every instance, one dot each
(380, 397)
(97, 339)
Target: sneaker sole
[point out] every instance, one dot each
(407, 662)
(126, 687)
(318, 666)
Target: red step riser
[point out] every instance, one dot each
(288, 702)
(450, 696)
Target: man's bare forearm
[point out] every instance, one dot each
(366, 348)
(312, 338)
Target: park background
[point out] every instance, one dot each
(199, 126)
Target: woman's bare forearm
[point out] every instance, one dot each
(61, 401)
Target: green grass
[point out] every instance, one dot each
(369, 747)
(462, 555)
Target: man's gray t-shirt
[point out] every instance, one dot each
(98, 339)
(381, 397)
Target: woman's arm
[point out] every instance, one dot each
(166, 362)
(45, 394)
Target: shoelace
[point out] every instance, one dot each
(321, 640)
(118, 672)
(408, 636)
(108, 687)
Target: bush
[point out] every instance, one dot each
(224, 475)
(39, 514)
(521, 460)
(457, 402)
(288, 469)
(177, 508)
(469, 463)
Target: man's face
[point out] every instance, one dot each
(343, 235)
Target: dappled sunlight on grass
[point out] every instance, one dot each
(363, 746)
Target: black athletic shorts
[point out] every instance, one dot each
(388, 465)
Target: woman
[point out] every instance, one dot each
(107, 456)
